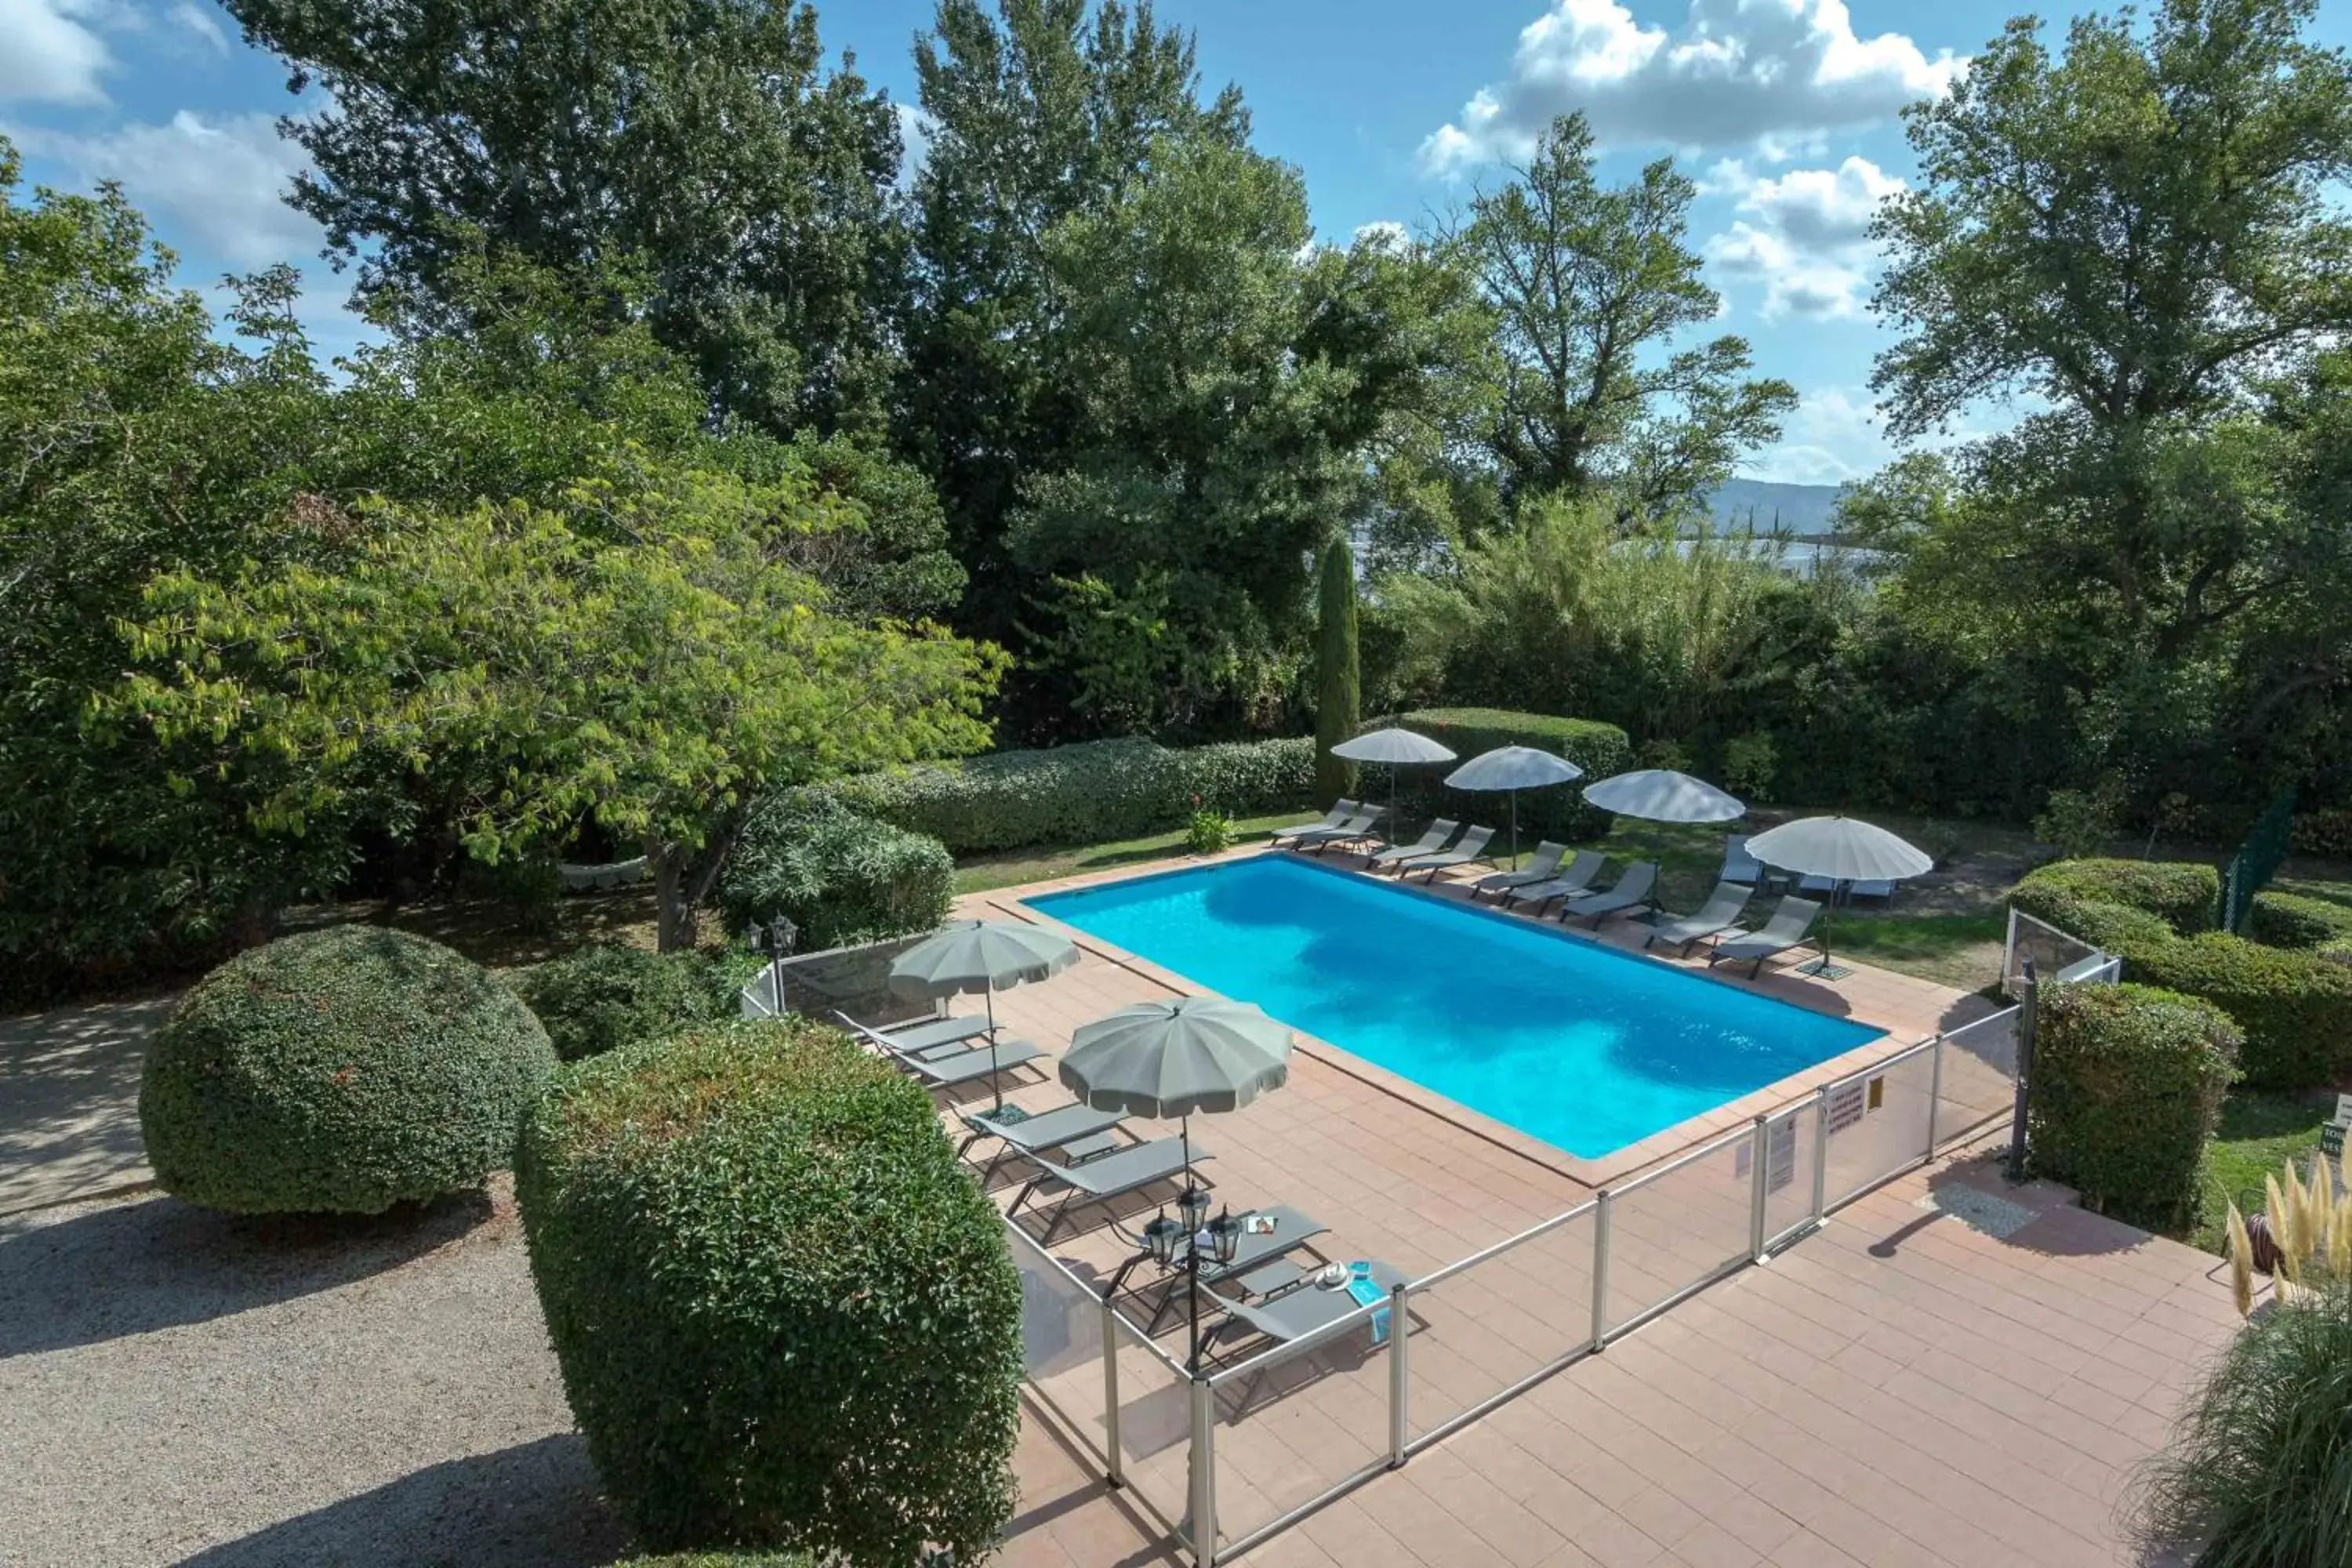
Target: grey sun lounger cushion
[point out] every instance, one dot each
(1787, 928)
(925, 1034)
(1357, 826)
(1069, 1128)
(1105, 1177)
(1720, 914)
(1472, 848)
(1291, 1230)
(1738, 864)
(1575, 879)
(1339, 813)
(1440, 831)
(948, 1066)
(1632, 890)
(1296, 1313)
(1828, 886)
(1541, 867)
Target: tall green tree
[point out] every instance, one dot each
(1591, 287)
(1042, 111)
(704, 139)
(2140, 235)
(1338, 677)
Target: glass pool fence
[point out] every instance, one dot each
(1257, 1444)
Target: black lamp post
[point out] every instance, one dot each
(776, 939)
(1162, 1236)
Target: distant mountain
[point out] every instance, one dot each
(1798, 509)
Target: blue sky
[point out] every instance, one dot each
(1784, 110)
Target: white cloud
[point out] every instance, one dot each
(47, 53)
(1834, 436)
(198, 22)
(914, 128)
(1384, 233)
(1809, 243)
(216, 183)
(1771, 73)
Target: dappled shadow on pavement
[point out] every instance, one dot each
(129, 1269)
(535, 1505)
(70, 1101)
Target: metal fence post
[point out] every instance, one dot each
(1400, 1384)
(1110, 1394)
(1935, 1092)
(1601, 1223)
(1761, 1194)
(1204, 1474)
(2025, 1004)
(1820, 1154)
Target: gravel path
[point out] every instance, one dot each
(176, 1387)
(70, 1101)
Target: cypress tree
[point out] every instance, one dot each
(1338, 686)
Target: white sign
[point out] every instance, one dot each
(2344, 1107)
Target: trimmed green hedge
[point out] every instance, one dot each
(720, 1560)
(2296, 920)
(841, 876)
(2295, 1008)
(341, 1071)
(1599, 749)
(2128, 1084)
(785, 1313)
(1088, 793)
(2183, 894)
(596, 998)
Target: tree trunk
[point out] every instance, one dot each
(674, 918)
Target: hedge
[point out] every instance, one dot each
(2294, 1007)
(2127, 1085)
(1090, 792)
(720, 1560)
(841, 876)
(2183, 894)
(1599, 749)
(601, 996)
(2296, 921)
(784, 1312)
(339, 1071)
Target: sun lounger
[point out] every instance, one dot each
(1720, 914)
(1105, 1178)
(1077, 1129)
(952, 1065)
(1289, 1231)
(1791, 918)
(1635, 890)
(1306, 1310)
(1571, 883)
(1831, 888)
(1541, 867)
(1470, 850)
(1738, 864)
(1433, 840)
(1359, 826)
(924, 1036)
(1338, 814)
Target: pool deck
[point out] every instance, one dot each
(1901, 1388)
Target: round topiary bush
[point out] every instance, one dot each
(785, 1314)
(341, 1071)
(601, 996)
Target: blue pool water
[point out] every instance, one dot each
(1586, 1049)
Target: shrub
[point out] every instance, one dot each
(2077, 823)
(1599, 749)
(346, 1069)
(2295, 1008)
(2296, 921)
(784, 1312)
(1209, 832)
(1749, 763)
(2183, 894)
(841, 876)
(1084, 793)
(2128, 1083)
(719, 1559)
(601, 996)
(2259, 1472)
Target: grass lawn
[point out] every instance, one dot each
(1962, 951)
(2258, 1131)
(979, 873)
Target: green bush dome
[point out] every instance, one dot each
(597, 997)
(840, 876)
(1092, 792)
(785, 1314)
(2296, 919)
(2128, 1084)
(339, 1070)
(2294, 1005)
(1599, 750)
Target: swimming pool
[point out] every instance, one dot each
(1585, 1047)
